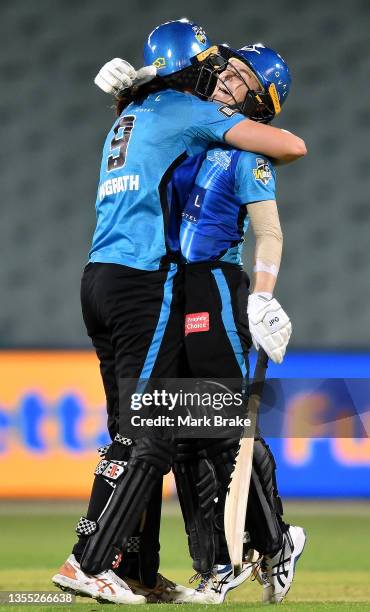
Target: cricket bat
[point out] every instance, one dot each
(237, 496)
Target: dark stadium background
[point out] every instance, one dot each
(53, 121)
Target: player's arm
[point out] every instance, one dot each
(281, 145)
(269, 324)
(265, 222)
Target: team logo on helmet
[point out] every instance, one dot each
(160, 62)
(200, 34)
(256, 48)
(263, 171)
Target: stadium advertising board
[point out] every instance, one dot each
(52, 420)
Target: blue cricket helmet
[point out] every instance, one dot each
(172, 45)
(271, 70)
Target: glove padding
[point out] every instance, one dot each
(118, 75)
(269, 325)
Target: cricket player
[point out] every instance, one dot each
(131, 289)
(233, 188)
(264, 512)
(213, 215)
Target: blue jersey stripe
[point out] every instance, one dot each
(228, 319)
(161, 325)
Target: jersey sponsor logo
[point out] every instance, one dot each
(189, 217)
(227, 111)
(129, 182)
(196, 322)
(221, 158)
(263, 171)
(196, 201)
(193, 206)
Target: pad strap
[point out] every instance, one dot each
(85, 526)
(122, 440)
(102, 450)
(133, 545)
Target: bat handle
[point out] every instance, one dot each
(262, 359)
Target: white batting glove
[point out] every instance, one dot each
(144, 75)
(118, 74)
(269, 325)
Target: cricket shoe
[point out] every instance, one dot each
(105, 586)
(276, 573)
(165, 591)
(215, 585)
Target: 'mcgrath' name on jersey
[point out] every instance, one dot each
(133, 212)
(128, 182)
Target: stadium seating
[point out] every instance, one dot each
(53, 122)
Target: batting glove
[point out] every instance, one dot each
(269, 325)
(118, 74)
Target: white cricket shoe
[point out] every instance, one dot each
(164, 591)
(105, 586)
(215, 585)
(277, 572)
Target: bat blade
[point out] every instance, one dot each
(236, 504)
(237, 496)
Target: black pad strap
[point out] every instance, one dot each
(133, 545)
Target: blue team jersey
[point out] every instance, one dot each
(143, 147)
(214, 215)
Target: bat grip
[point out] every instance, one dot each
(262, 360)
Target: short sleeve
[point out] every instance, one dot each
(254, 178)
(210, 122)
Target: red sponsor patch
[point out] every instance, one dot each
(196, 322)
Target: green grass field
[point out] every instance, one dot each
(333, 573)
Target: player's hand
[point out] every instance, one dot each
(118, 75)
(269, 325)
